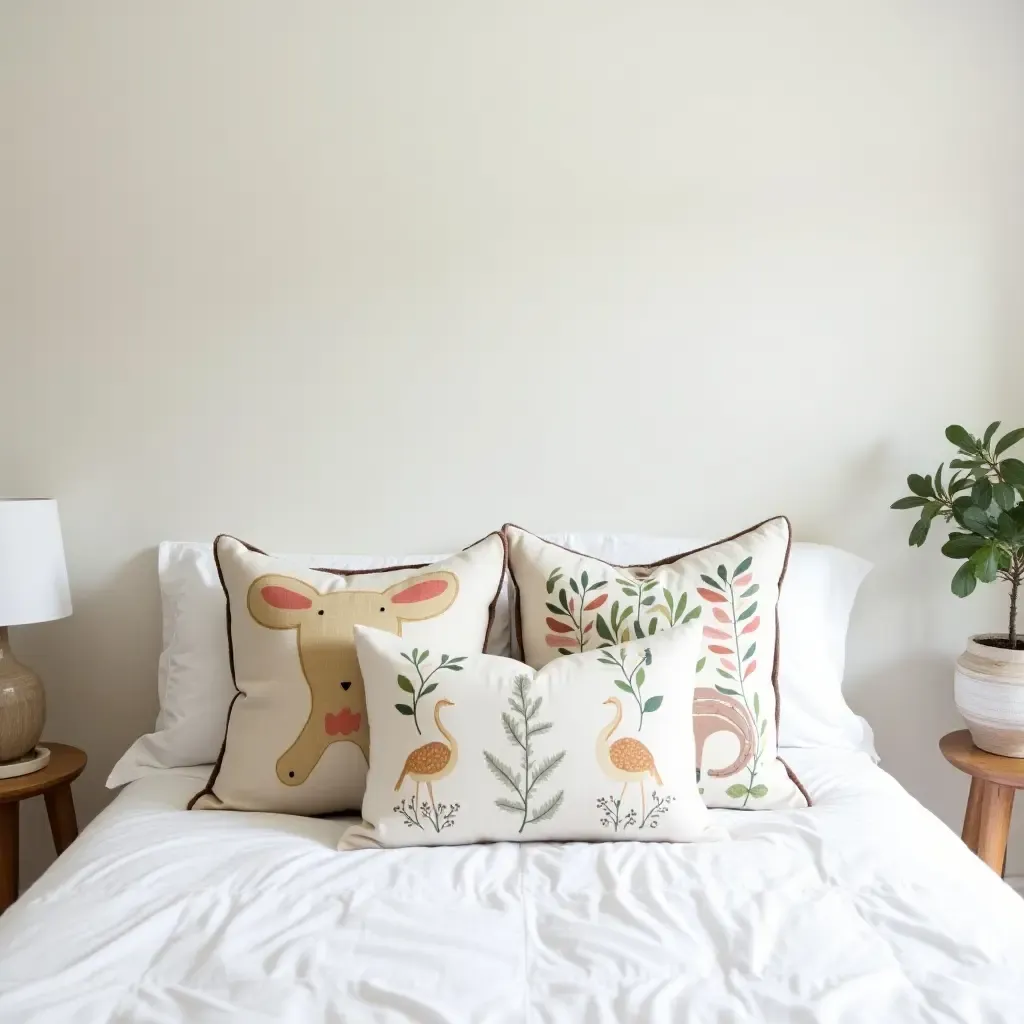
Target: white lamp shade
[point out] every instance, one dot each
(33, 576)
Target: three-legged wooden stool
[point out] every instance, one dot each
(994, 781)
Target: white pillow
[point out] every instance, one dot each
(193, 674)
(817, 598)
(592, 746)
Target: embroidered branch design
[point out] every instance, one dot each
(417, 659)
(566, 622)
(633, 680)
(521, 727)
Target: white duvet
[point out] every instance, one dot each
(864, 908)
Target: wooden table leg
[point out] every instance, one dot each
(8, 854)
(972, 819)
(994, 826)
(60, 809)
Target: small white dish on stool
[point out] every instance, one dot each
(33, 761)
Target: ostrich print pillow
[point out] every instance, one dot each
(567, 602)
(297, 738)
(595, 746)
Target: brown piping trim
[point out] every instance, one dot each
(207, 790)
(667, 561)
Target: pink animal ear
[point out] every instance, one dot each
(420, 592)
(282, 597)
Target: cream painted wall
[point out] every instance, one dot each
(380, 276)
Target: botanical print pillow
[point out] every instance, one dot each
(471, 748)
(567, 602)
(297, 736)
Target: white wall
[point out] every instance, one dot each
(381, 276)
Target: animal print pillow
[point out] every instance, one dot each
(567, 602)
(297, 737)
(594, 746)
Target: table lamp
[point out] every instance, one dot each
(33, 588)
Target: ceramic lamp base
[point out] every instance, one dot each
(33, 761)
(22, 705)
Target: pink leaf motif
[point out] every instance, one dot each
(558, 627)
(722, 615)
(588, 627)
(751, 625)
(572, 604)
(750, 668)
(743, 580)
(560, 641)
(726, 663)
(715, 634)
(719, 649)
(711, 595)
(596, 603)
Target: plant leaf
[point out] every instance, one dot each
(711, 582)
(919, 533)
(747, 612)
(962, 545)
(640, 677)
(956, 434)
(985, 563)
(914, 501)
(652, 703)
(981, 493)
(757, 706)
(701, 662)
(507, 805)
(546, 767)
(1013, 471)
(759, 790)
(554, 609)
(989, 433)
(742, 567)
(1004, 496)
(750, 651)
(964, 580)
(574, 586)
(977, 521)
(603, 631)
(727, 691)
(584, 579)
(722, 573)
(624, 686)
(638, 630)
(429, 688)
(919, 485)
(726, 675)
(404, 683)
(736, 790)
(404, 709)
(1008, 440)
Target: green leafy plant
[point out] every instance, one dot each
(985, 498)
(418, 659)
(633, 679)
(568, 628)
(520, 728)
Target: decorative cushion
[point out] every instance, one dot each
(594, 746)
(568, 602)
(193, 675)
(297, 734)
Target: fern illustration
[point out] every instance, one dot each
(521, 726)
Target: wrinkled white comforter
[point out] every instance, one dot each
(864, 908)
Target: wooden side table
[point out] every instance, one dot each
(994, 782)
(54, 784)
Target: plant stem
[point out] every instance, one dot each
(1018, 570)
(526, 757)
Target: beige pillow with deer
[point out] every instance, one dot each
(567, 602)
(297, 738)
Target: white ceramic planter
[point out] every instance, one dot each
(988, 690)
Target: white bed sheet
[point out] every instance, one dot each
(864, 908)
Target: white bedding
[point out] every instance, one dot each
(864, 908)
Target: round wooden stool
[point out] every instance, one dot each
(53, 784)
(994, 780)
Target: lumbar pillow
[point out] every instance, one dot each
(297, 736)
(568, 603)
(595, 746)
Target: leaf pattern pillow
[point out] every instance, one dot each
(476, 748)
(567, 603)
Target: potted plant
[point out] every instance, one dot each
(984, 500)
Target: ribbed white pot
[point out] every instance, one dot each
(988, 690)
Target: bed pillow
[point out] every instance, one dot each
(297, 736)
(567, 602)
(822, 583)
(595, 746)
(193, 674)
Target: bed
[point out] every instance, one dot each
(864, 908)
